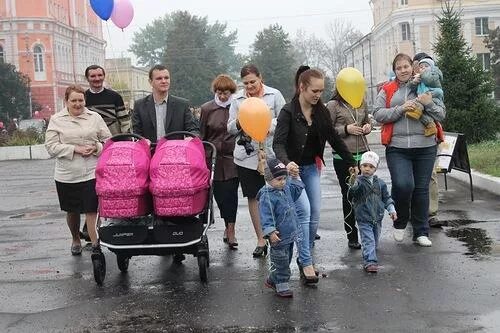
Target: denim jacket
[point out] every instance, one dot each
(277, 210)
(371, 200)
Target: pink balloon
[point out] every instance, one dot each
(123, 13)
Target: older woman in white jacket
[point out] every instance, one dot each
(74, 137)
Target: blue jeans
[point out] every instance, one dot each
(411, 170)
(308, 207)
(279, 270)
(370, 234)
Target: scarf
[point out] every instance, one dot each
(222, 104)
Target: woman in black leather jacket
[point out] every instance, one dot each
(304, 126)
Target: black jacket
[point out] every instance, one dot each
(179, 117)
(290, 135)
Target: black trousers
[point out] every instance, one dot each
(226, 196)
(342, 171)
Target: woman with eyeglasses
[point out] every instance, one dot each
(213, 128)
(246, 150)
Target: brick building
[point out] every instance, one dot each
(52, 41)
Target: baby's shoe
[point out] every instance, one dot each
(430, 129)
(416, 113)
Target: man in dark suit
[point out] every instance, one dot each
(160, 113)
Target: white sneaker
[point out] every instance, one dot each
(424, 241)
(399, 235)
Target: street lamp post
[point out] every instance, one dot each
(30, 101)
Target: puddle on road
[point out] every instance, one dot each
(476, 240)
(158, 323)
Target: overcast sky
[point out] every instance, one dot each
(247, 17)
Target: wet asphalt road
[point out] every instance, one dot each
(452, 287)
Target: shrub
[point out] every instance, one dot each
(25, 138)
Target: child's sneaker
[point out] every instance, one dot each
(371, 268)
(269, 284)
(285, 293)
(399, 235)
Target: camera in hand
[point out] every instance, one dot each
(246, 142)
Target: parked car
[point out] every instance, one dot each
(37, 124)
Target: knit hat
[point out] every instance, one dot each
(274, 169)
(370, 158)
(427, 61)
(420, 56)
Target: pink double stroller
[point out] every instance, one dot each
(159, 205)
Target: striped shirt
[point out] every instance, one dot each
(109, 104)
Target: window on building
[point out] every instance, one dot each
(484, 60)
(38, 63)
(403, 2)
(38, 58)
(482, 26)
(2, 59)
(405, 31)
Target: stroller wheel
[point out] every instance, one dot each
(99, 265)
(122, 262)
(203, 267)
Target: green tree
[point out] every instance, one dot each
(272, 54)
(193, 50)
(469, 109)
(14, 89)
(493, 44)
(150, 43)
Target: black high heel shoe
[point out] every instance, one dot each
(233, 245)
(260, 251)
(306, 278)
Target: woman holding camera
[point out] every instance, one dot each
(246, 150)
(213, 128)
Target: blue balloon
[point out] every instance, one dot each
(103, 8)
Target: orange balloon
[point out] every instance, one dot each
(255, 118)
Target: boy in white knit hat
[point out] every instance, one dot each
(370, 198)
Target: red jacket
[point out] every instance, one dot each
(386, 131)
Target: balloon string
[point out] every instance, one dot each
(113, 53)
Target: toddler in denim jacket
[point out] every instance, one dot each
(370, 198)
(279, 222)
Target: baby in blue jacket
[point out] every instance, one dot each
(371, 198)
(279, 222)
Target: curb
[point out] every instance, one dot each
(35, 152)
(479, 180)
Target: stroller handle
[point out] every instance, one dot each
(185, 133)
(126, 137)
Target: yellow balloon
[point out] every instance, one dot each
(255, 118)
(351, 86)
